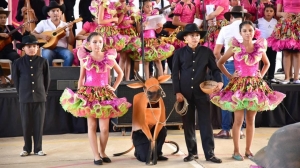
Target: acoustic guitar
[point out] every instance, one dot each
(5, 41)
(56, 35)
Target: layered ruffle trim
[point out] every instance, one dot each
(97, 102)
(154, 50)
(252, 58)
(100, 66)
(251, 93)
(112, 37)
(254, 101)
(286, 34)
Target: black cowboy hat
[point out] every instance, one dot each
(237, 9)
(2, 11)
(190, 28)
(26, 40)
(53, 4)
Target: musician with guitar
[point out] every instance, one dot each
(56, 33)
(7, 35)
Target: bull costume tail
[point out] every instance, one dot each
(170, 142)
(122, 153)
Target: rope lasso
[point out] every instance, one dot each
(184, 109)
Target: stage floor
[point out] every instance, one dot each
(73, 151)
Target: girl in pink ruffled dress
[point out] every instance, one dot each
(125, 13)
(246, 89)
(286, 37)
(155, 50)
(106, 13)
(95, 98)
(220, 7)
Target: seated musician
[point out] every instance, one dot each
(61, 51)
(6, 46)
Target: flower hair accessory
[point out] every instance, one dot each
(257, 33)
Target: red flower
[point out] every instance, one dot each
(257, 33)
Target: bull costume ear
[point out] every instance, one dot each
(136, 85)
(163, 78)
(139, 84)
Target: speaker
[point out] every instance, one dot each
(62, 77)
(169, 100)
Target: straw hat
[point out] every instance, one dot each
(208, 86)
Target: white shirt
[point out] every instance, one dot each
(47, 25)
(227, 33)
(167, 11)
(266, 27)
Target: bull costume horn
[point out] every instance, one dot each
(137, 75)
(156, 72)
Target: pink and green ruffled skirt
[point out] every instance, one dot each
(112, 37)
(97, 102)
(154, 50)
(134, 42)
(286, 35)
(250, 93)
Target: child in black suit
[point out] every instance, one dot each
(32, 78)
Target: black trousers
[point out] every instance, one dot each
(32, 117)
(271, 54)
(206, 132)
(142, 144)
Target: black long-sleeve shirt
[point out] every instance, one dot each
(190, 68)
(31, 77)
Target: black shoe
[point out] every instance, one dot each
(162, 158)
(196, 157)
(189, 158)
(106, 159)
(98, 162)
(214, 159)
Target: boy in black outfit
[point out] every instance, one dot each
(32, 78)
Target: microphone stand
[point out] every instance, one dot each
(142, 38)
